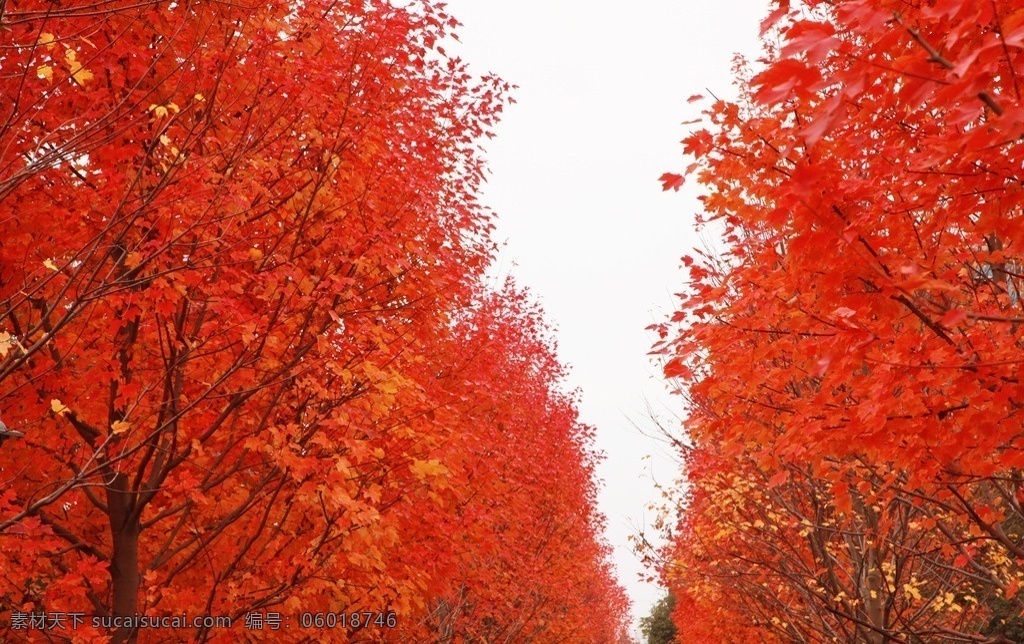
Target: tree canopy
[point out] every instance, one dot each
(851, 356)
(246, 350)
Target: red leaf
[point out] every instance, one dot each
(775, 16)
(1012, 588)
(821, 366)
(677, 368)
(823, 123)
(780, 477)
(783, 80)
(952, 318)
(671, 180)
(698, 143)
(813, 39)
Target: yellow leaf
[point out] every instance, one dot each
(46, 39)
(5, 343)
(45, 71)
(423, 469)
(120, 426)
(133, 260)
(165, 140)
(172, 106)
(160, 111)
(81, 76)
(78, 73)
(50, 265)
(199, 98)
(388, 387)
(58, 407)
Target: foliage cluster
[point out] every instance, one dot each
(246, 342)
(851, 359)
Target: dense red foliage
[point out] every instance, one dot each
(852, 356)
(244, 335)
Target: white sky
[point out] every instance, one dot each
(575, 167)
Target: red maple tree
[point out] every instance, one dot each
(857, 336)
(238, 242)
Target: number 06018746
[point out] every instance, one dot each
(365, 619)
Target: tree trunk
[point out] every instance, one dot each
(124, 562)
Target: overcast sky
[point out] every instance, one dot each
(575, 166)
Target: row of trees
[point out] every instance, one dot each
(248, 362)
(851, 358)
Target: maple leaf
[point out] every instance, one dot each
(952, 318)
(821, 366)
(677, 368)
(698, 144)
(773, 18)
(424, 469)
(785, 79)
(672, 181)
(79, 74)
(813, 39)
